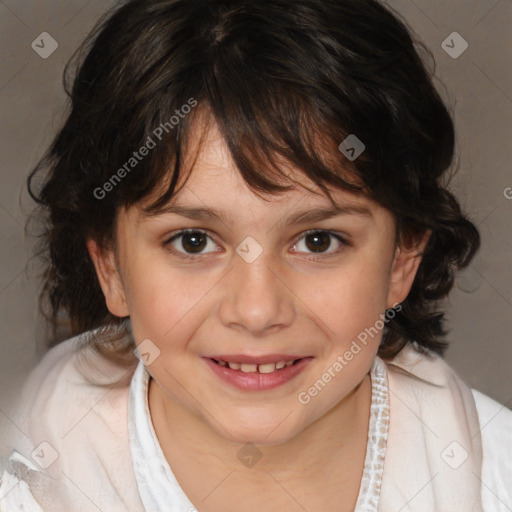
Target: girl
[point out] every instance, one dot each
(249, 232)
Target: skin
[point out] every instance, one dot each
(283, 302)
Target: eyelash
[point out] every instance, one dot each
(344, 243)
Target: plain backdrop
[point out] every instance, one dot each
(478, 88)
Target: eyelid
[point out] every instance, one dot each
(185, 231)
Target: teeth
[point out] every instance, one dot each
(253, 368)
(267, 368)
(248, 368)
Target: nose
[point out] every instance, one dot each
(256, 297)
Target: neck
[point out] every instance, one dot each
(337, 439)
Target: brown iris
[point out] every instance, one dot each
(320, 241)
(194, 242)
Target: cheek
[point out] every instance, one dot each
(160, 299)
(349, 304)
(348, 300)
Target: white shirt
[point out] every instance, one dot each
(109, 457)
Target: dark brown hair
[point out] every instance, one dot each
(283, 80)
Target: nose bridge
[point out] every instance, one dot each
(256, 299)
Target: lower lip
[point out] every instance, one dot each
(256, 381)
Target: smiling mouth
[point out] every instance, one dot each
(257, 368)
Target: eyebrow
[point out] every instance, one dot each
(303, 216)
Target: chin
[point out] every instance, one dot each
(257, 430)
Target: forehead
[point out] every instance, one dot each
(213, 181)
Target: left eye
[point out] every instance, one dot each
(320, 241)
(194, 242)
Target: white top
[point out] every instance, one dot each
(159, 489)
(141, 459)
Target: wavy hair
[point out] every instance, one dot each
(283, 80)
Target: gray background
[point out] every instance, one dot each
(478, 88)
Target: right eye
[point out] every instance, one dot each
(189, 242)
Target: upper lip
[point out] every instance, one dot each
(263, 359)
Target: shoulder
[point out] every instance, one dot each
(496, 431)
(70, 419)
(495, 418)
(71, 385)
(431, 380)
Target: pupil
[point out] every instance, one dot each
(194, 242)
(321, 241)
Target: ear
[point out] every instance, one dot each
(110, 280)
(404, 268)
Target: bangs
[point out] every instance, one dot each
(267, 144)
(281, 98)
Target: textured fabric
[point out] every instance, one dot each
(378, 426)
(426, 433)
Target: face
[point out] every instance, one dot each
(249, 309)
